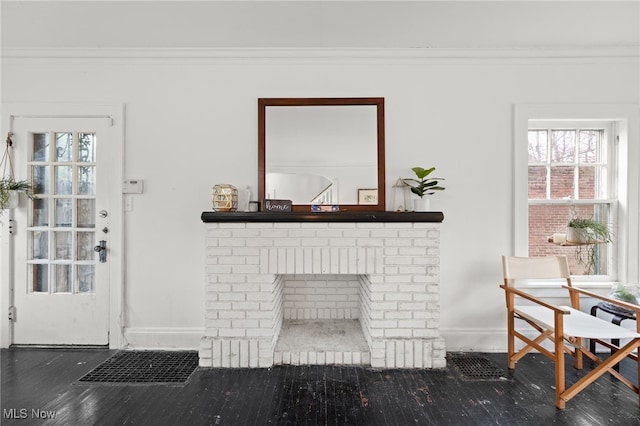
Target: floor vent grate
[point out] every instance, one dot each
(145, 367)
(477, 368)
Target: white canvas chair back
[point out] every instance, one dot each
(535, 268)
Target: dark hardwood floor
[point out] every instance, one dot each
(47, 380)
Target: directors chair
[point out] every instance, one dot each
(567, 327)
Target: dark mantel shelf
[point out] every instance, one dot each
(322, 217)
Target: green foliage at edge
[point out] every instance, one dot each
(10, 184)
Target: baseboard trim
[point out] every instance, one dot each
(475, 340)
(163, 337)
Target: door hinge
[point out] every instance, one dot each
(12, 313)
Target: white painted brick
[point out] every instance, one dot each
(416, 252)
(216, 324)
(406, 270)
(398, 296)
(261, 251)
(259, 297)
(259, 332)
(231, 296)
(251, 306)
(399, 354)
(220, 306)
(397, 315)
(329, 358)
(245, 323)
(356, 233)
(231, 332)
(342, 225)
(412, 306)
(218, 269)
(370, 242)
(397, 333)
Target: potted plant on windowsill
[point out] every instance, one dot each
(10, 190)
(586, 234)
(423, 185)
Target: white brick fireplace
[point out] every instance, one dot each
(267, 278)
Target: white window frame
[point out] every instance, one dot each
(626, 118)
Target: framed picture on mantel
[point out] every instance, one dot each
(368, 196)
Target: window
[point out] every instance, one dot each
(571, 168)
(578, 160)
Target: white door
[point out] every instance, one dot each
(61, 283)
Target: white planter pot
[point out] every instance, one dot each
(422, 204)
(578, 235)
(14, 200)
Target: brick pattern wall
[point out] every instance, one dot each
(321, 297)
(395, 265)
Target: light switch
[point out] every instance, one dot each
(132, 186)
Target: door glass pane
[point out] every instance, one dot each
(63, 245)
(39, 245)
(85, 278)
(85, 246)
(63, 278)
(63, 212)
(40, 214)
(64, 147)
(86, 180)
(86, 213)
(63, 179)
(40, 147)
(40, 178)
(40, 278)
(87, 148)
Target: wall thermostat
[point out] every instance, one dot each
(132, 186)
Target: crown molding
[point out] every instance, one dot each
(325, 54)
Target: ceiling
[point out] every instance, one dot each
(319, 24)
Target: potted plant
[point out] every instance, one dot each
(10, 190)
(423, 185)
(586, 234)
(587, 231)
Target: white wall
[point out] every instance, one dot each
(191, 119)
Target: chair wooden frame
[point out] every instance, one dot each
(567, 327)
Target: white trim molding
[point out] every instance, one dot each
(163, 337)
(580, 54)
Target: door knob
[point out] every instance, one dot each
(102, 251)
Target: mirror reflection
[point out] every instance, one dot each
(320, 154)
(322, 151)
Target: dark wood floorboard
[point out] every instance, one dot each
(46, 380)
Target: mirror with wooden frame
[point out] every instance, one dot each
(326, 151)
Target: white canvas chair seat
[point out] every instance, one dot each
(577, 324)
(567, 327)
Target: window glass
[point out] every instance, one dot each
(567, 178)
